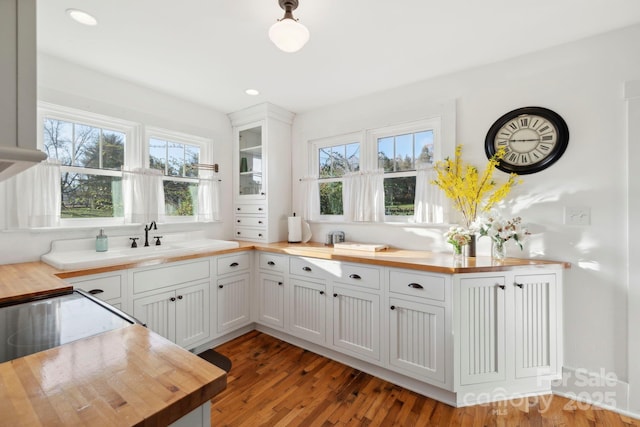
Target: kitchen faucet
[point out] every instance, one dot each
(151, 226)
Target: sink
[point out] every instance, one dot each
(79, 254)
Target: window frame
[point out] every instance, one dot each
(433, 124)
(85, 118)
(180, 138)
(314, 159)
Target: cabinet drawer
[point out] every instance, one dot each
(417, 284)
(250, 233)
(104, 288)
(272, 262)
(312, 267)
(160, 277)
(356, 274)
(251, 221)
(233, 263)
(250, 209)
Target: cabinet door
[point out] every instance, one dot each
(271, 301)
(535, 325)
(250, 182)
(158, 312)
(192, 314)
(416, 339)
(356, 322)
(308, 310)
(233, 302)
(482, 330)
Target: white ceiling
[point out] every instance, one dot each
(210, 51)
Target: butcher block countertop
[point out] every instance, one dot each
(124, 377)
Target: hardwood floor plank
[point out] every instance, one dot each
(273, 383)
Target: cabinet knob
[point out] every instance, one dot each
(393, 307)
(271, 263)
(220, 286)
(306, 268)
(520, 285)
(96, 291)
(260, 209)
(238, 233)
(259, 234)
(238, 221)
(415, 286)
(172, 299)
(238, 209)
(262, 194)
(354, 276)
(335, 295)
(259, 222)
(179, 296)
(321, 292)
(280, 283)
(500, 286)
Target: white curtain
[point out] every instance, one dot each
(363, 196)
(429, 200)
(143, 195)
(310, 198)
(35, 195)
(209, 199)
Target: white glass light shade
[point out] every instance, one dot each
(289, 35)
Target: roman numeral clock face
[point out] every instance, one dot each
(533, 137)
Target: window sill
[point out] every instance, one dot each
(113, 228)
(389, 224)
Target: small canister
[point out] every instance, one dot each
(329, 239)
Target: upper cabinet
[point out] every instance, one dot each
(18, 124)
(262, 173)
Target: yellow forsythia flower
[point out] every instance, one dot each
(470, 191)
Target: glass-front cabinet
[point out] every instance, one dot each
(250, 168)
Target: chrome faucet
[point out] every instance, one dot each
(151, 226)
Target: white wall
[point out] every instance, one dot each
(583, 82)
(69, 85)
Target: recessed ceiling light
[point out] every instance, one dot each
(252, 92)
(82, 17)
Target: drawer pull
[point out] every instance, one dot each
(260, 209)
(355, 276)
(259, 222)
(321, 292)
(500, 286)
(393, 307)
(96, 291)
(220, 286)
(271, 263)
(415, 286)
(280, 283)
(260, 235)
(306, 268)
(172, 299)
(234, 264)
(520, 285)
(335, 295)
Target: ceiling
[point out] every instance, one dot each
(211, 51)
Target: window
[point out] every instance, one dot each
(178, 160)
(333, 162)
(400, 151)
(399, 156)
(91, 158)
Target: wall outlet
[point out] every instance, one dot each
(577, 215)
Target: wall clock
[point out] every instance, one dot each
(534, 137)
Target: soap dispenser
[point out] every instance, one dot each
(102, 244)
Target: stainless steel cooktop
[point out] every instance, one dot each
(40, 324)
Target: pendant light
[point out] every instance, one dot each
(288, 34)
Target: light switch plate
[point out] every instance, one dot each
(577, 215)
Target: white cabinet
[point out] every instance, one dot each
(108, 287)
(271, 300)
(180, 315)
(308, 310)
(261, 170)
(419, 312)
(233, 302)
(356, 322)
(508, 325)
(173, 300)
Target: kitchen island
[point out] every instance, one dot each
(125, 377)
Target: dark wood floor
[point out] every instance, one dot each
(273, 383)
